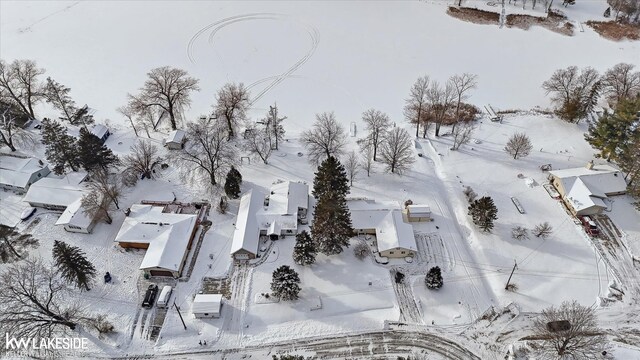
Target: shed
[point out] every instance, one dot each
(207, 306)
(175, 140)
(416, 213)
(101, 132)
(74, 219)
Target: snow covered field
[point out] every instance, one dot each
(344, 57)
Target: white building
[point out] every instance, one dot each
(74, 219)
(207, 306)
(56, 193)
(417, 213)
(584, 190)
(167, 237)
(394, 237)
(275, 215)
(175, 140)
(18, 172)
(101, 132)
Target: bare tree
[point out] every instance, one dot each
(462, 134)
(366, 154)
(11, 132)
(143, 157)
(575, 92)
(518, 145)
(397, 151)
(19, 85)
(58, 96)
(167, 90)
(361, 250)
(110, 186)
(542, 230)
(580, 338)
(352, 165)
(440, 100)
(13, 244)
(416, 105)
(462, 84)
(274, 128)
(128, 112)
(519, 233)
(259, 142)
(97, 205)
(376, 123)
(630, 10)
(34, 302)
(326, 138)
(232, 103)
(207, 156)
(620, 82)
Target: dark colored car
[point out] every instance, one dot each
(150, 296)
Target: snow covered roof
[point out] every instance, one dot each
(419, 209)
(167, 234)
(247, 233)
(17, 170)
(601, 179)
(393, 233)
(57, 191)
(206, 303)
(176, 136)
(74, 215)
(367, 214)
(581, 197)
(286, 197)
(99, 130)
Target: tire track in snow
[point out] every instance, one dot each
(214, 27)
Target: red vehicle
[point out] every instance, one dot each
(589, 225)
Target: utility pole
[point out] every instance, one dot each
(181, 319)
(515, 265)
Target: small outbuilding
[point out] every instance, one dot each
(74, 219)
(101, 132)
(175, 140)
(207, 306)
(417, 213)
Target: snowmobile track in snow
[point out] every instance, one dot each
(409, 311)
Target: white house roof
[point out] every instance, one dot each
(99, 130)
(206, 303)
(286, 197)
(57, 191)
(247, 233)
(16, 171)
(74, 215)
(419, 209)
(601, 180)
(176, 136)
(367, 214)
(167, 234)
(393, 233)
(581, 197)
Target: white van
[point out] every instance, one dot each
(163, 299)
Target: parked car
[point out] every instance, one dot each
(589, 225)
(150, 296)
(27, 213)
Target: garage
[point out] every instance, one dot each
(160, 273)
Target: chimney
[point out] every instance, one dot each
(590, 165)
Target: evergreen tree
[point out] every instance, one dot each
(285, 283)
(232, 183)
(613, 133)
(331, 228)
(304, 252)
(61, 148)
(82, 117)
(331, 176)
(434, 278)
(483, 212)
(73, 264)
(93, 154)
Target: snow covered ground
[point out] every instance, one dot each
(344, 57)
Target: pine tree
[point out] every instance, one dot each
(232, 183)
(304, 252)
(483, 212)
(331, 176)
(93, 154)
(61, 148)
(285, 283)
(433, 280)
(73, 264)
(612, 133)
(331, 228)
